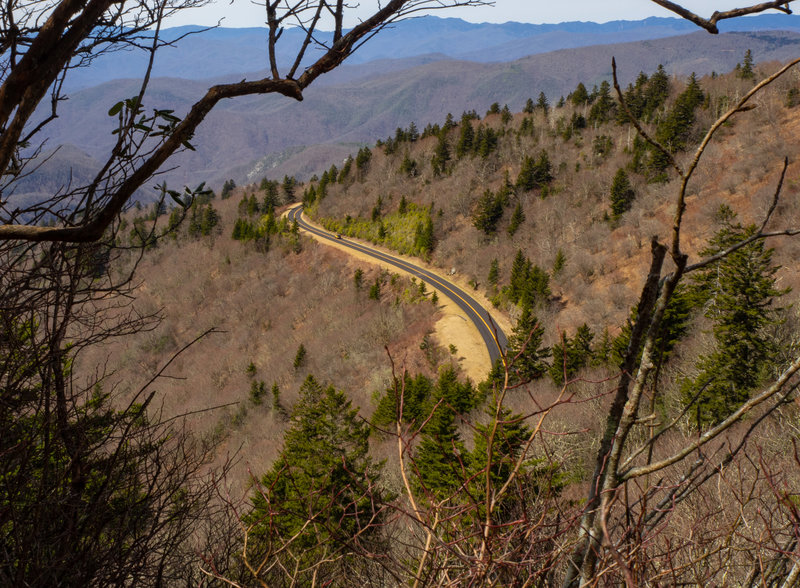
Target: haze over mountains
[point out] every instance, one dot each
(418, 70)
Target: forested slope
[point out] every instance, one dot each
(551, 213)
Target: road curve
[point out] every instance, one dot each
(493, 337)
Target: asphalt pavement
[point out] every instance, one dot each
(493, 337)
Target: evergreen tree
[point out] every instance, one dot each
(271, 198)
(529, 106)
(323, 489)
(559, 262)
(535, 174)
(299, 357)
(416, 391)
(423, 236)
(277, 406)
(488, 213)
(377, 210)
(441, 457)
(194, 221)
(745, 69)
(362, 161)
(289, 184)
(441, 155)
(542, 103)
(580, 96)
(485, 141)
(465, 138)
(403, 207)
(603, 107)
(738, 294)
(509, 440)
(520, 268)
(525, 347)
(494, 273)
(344, 173)
(570, 355)
(208, 220)
(673, 132)
(412, 134)
(375, 290)
(622, 193)
(656, 92)
(408, 166)
(173, 222)
(505, 115)
(517, 218)
(258, 390)
(227, 188)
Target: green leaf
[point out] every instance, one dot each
(115, 110)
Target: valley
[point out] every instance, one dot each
(487, 305)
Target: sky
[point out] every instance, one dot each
(246, 13)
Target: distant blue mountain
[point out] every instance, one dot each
(236, 52)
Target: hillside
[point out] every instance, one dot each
(244, 138)
(586, 256)
(604, 258)
(520, 205)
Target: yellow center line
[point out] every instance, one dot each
(430, 277)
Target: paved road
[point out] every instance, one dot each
(493, 337)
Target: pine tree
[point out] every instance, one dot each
(494, 273)
(525, 347)
(416, 391)
(227, 188)
(375, 290)
(441, 156)
(517, 218)
(257, 391)
(535, 174)
(408, 166)
(323, 476)
(505, 115)
(299, 357)
(745, 69)
(656, 92)
(520, 268)
(570, 355)
(529, 106)
(673, 132)
(277, 406)
(543, 104)
(441, 456)
(423, 237)
(737, 293)
(622, 193)
(209, 219)
(466, 137)
(358, 278)
(580, 96)
(362, 161)
(603, 107)
(488, 213)
(403, 207)
(559, 262)
(194, 221)
(412, 134)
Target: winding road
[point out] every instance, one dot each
(493, 337)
